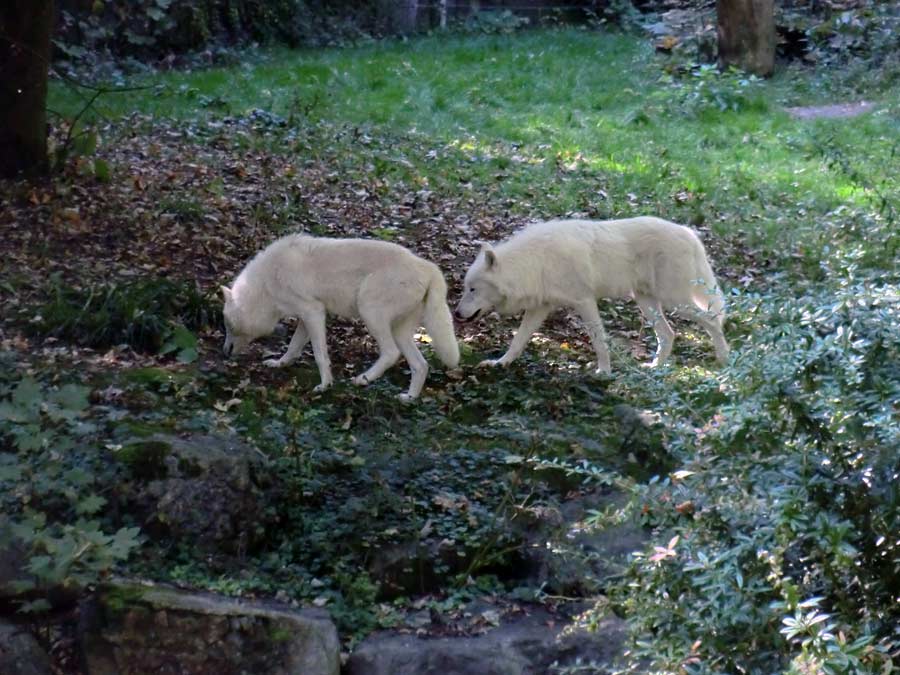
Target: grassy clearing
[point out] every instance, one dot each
(554, 122)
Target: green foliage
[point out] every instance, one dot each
(710, 90)
(156, 315)
(621, 13)
(868, 30)
(132, 28)
(494, 22)
(792, 492)
(146, 458)
(51, 497)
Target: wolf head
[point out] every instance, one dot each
(246, 319)
(480, 291)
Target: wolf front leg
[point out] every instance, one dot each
(531, 321)
(593, 324)
(314, 320)
(295, 348)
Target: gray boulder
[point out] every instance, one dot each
(530, 645)
(564, 555)
(20, 653)
(131, 629)
(13, 561)
(209, 490)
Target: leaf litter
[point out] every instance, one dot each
(192, 202)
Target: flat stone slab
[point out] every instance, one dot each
(133, 629)
(20, 653)
(837, 111)
(525, 646)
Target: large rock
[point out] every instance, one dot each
(13, 562)
(209, 490)
(130, 629)
(525, 646)
(20, 653)
(566, 555)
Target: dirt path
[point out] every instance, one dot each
(836, 111)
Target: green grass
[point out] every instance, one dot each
(554, 122)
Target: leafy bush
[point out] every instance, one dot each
(50, 493)
(781, 525)
(707, 89)
(134, 27)
(621, 13)
(494, 22)
(870, 30)
(155, 315)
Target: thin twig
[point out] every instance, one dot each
(65, 145)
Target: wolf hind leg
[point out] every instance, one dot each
(389, 353)
(295, 348)
(593, 324)
(652, 310)
(403, 332)
(712, 324)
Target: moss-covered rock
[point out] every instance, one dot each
(146, 459)
(131, 629)
(20, 653)
(210, 491)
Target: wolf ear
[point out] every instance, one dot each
(490, 258)
(226, 293)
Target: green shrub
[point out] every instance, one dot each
(50, 492)
(781, 525)
(147, 315)
(495, 22)
(709, 90)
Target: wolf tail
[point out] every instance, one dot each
(708, 297)
(439, 322)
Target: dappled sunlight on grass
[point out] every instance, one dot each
(578, 120)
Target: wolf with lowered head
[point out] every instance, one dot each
(392, 290)
(571, 263)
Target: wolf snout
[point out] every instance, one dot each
(462, 317)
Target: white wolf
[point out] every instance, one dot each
(384, 284)
(572, 263)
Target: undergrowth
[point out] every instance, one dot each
(148, 315)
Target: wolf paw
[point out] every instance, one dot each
(319, 388)
(492, 363)
(274, 363)
(406, 398)
(360, 381)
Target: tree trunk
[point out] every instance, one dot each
(409, 17)
(25, 30)
(746, 30)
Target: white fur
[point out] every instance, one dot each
(572, 263)
(383, 284)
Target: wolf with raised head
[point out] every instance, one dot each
(388, 287)
(571, 263)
